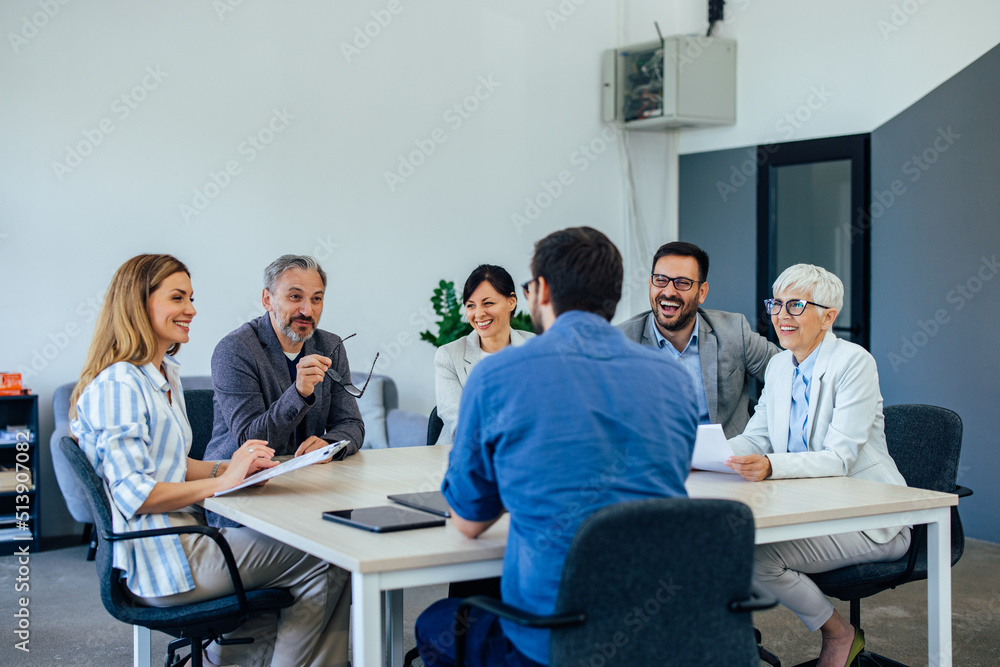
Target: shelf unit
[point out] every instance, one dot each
(19, 461)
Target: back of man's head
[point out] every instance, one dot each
(583, 269)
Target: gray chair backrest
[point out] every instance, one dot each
(201, 414)
(655, 578)
(69, 482)
(925, 441)
(434, 427)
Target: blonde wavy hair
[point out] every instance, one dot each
(123, 331)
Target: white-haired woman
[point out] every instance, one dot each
(820, 415)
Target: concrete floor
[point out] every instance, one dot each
(69, 626)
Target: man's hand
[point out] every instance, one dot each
(309, 372)
(753, 467)
(311, 443)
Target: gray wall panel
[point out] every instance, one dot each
(935, 289)
(718, 212)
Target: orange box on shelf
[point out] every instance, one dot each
(10, 382)
(10, 385)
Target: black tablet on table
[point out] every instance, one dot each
(427, 501)
(384, 519)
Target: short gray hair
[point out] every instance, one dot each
(278, 267)
(823, 287)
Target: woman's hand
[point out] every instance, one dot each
(752, 467)
(253, 456)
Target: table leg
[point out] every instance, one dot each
(140, 646)
(366, 620)
(939, 590)
(394, 629)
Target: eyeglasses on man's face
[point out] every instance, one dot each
(793, 308)
(526, 287)
(346, 383)
(680, 284)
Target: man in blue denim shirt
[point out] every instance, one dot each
(572, 421)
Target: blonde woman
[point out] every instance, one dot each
(129, 418)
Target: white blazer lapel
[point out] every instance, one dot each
(782, 406)
(825, 352)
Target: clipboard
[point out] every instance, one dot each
(315, 456)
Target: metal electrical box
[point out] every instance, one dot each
(681, 81)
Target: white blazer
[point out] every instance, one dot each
(452, 364)
(846, 426)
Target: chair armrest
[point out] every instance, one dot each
(519, 616)
(962, 491)
(758, 601)
(509, 613)
(227, 552)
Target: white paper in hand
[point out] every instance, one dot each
(315, 456)
(711, 448)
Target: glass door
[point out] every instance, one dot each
(812, 207)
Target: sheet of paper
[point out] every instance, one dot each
(314, 456)
(711, 449)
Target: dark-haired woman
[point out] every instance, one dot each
(490, 300)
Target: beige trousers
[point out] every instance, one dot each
(312, 631)
(780, 569)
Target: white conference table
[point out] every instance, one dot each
(289, 509)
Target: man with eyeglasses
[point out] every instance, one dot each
(719, 350)
(571, 421)
(281, 379)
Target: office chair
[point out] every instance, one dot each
(679, 568)
(925, 442)
(434, 427)
(73, 494)
(194, 625)
(200, 407)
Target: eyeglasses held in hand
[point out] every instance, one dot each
(680, 284)
(794, 308)
(346, 384)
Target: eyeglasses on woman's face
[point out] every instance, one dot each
(793, 308)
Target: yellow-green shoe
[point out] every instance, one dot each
(857, 646)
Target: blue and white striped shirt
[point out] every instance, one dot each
(134, 437)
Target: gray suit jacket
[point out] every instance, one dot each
(846, 425)
(255, 396)
(452, 364)
(729, 351)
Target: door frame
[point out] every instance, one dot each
(857, 149)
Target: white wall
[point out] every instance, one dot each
(319, 187)
(867, 59)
